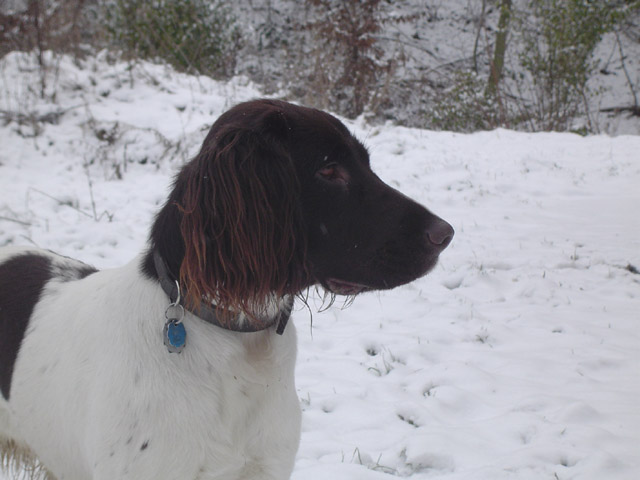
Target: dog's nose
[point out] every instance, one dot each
(439, 233)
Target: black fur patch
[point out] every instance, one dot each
(22, 279)
(71, 270)
(85, 270)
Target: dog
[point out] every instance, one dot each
(180, 365)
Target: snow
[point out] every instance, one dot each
(518, 357)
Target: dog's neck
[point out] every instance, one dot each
(277, 316)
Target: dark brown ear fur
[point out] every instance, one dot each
(241, 223)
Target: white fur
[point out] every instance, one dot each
(93, 383)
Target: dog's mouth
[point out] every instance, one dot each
(343, 287)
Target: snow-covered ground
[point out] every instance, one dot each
(517, 358)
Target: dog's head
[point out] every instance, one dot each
(282, 197)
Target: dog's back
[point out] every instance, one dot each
(25, 274)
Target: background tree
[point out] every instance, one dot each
(457, 65)
(500, 48)
(45, 26)
(557, 55)
(349, 61)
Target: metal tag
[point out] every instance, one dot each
(175, 335)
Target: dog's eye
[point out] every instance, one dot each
(333, 173)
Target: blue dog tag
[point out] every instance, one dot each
(175, 335)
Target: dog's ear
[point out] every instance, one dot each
(241, 220)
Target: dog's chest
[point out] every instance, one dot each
(224, 405)
(233, 410)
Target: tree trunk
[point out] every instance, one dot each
(481, 21)
(501, 45)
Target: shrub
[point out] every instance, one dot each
(465, 106)
(557, 56)
(196, 36)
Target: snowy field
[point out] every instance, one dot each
(517, 358)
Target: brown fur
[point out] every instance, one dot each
(241, 224)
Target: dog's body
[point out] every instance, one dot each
(90, 386)
(97, 396)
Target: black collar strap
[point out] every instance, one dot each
(208, 313)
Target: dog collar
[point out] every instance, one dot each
(208, 313)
